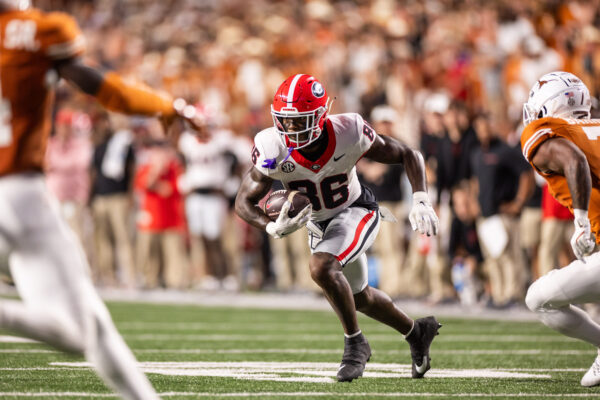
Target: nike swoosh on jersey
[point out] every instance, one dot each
(337, 158)
(421, 368)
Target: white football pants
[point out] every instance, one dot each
(59, 303)
(348, 236)
(552, 297)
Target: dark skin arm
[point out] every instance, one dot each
(85, 78)
(254, 187)
(562, 157)
(388, 150)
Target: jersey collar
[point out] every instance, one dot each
(316, 166)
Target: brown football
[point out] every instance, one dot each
(277, 198)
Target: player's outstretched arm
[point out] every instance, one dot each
(114, 93)
(388, 150)
(562, 157)
(254, 187)
(118, 95)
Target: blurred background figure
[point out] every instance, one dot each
(112, 171)
(464, 251)
(556, 231)
(386, 183)
(211, 176)
(504, 184)
(161, 256)
(68, 157)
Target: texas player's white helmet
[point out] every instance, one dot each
(17, 4)
(557, 94)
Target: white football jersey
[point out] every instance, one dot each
(206, 164)
(330, 182)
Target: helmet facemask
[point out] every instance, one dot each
(299, 129)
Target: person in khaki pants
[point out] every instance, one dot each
(160, 251)
(112, 171)
(385, 182)
(504, 183)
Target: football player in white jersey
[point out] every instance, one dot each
(316, 153)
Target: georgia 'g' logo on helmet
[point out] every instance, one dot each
(557, 94)
(317, 89)
(299, 110)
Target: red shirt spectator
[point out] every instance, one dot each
(552, 208)
(160, 203)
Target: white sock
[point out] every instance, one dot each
(353, 335)
(411, 329)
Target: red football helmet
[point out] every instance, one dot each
(299, 110)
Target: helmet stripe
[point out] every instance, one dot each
(290, 95)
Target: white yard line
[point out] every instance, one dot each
(315, 372)
(336, 338)
(15, 339)
(297, 394)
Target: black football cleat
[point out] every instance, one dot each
(356, 354)
(420, 339)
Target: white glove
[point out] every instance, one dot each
(422, 217)
(284, 225)
(582, 241)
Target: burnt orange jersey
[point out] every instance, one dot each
(30, 42)
(584, 133)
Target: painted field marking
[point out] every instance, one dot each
(296, 394)
(315, 372)
(336, 338)
(15, 339)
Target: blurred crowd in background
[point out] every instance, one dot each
(447, 77)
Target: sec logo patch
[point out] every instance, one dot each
(288, 167)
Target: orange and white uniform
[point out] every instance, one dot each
(59, 304)
(584, 134)
(30, 42)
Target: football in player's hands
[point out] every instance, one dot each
(276, 200)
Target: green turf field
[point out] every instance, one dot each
(216, 353)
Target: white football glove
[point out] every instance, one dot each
(284, 225)
(582, 241)
(422, 217)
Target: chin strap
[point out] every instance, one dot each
(290, 150)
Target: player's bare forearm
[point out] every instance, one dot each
(84, 77)
(388, 150)
(560, 156)
(254, 187)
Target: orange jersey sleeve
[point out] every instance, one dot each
(584, 134)
(60, 37)
(31, 42)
